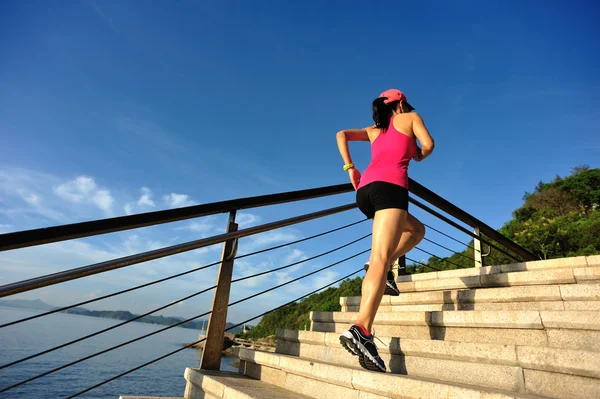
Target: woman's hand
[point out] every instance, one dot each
(354, 177)
(419, 155)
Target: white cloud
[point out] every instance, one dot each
(146, 198)
(247, 219)
(295, 256)
(5, 228)
(323, 278)
(244, 268)
(84, 189)
(128, 209)
(103, 200)
(273, 237)
(31, 198)
(92, 295)
(142, 204)
(35, 201)
(204, 227)
(198, 226)
(175, 200)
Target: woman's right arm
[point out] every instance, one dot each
(342, 138)
(422, 134)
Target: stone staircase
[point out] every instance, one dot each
(527, 330)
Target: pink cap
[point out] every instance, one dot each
(395, 95)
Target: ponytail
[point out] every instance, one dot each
(382, 112)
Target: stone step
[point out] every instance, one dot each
(487, 365)
(324, 380)
(556, 305)
(540, 265)
(204, 384)
(557, 329)
(541, 297)
(584, 320)
(481, 278)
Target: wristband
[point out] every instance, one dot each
(349, 166)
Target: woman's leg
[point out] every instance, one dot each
(413, 234)
(388, 225)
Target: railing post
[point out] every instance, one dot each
(215, 335)
(477, 251)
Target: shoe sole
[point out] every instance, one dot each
(390, 291)
(349, 345)
(365, 359)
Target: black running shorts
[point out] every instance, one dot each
(380, 195)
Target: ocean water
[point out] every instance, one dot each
(163, 378)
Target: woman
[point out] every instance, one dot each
(382, 195)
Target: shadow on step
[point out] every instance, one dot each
(437, 332)
(397, 363)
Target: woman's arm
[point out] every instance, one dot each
(342, 137)
(421, 132)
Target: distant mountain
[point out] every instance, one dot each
(111, 314)
(35, 304)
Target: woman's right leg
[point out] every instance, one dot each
(388, 226)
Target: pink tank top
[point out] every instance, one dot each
(391, 153)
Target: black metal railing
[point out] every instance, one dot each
(218, 313)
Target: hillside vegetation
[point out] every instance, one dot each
(558, 219)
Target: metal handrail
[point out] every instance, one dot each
(459, 227)
(28, 238)
(86, 229)
(451, 209)
(72, 274)
(172, 276)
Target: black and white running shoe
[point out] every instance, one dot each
(359, 344)
(390, 284)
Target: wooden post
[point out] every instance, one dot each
(213, 346)
(477, 251)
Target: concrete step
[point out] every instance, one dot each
(587, 320)
(558, 329)
(540, 297)
(325, 380)
(493, 276)
(486, 365)
(571, 263)
(203, 384)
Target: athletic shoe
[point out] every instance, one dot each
(390, 284)
(362, 345)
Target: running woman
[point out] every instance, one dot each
(382, 195)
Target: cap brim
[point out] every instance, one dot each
(410, 107)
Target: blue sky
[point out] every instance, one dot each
(109, 108)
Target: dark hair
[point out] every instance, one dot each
(382, 112)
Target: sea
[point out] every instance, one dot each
(163, 378)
